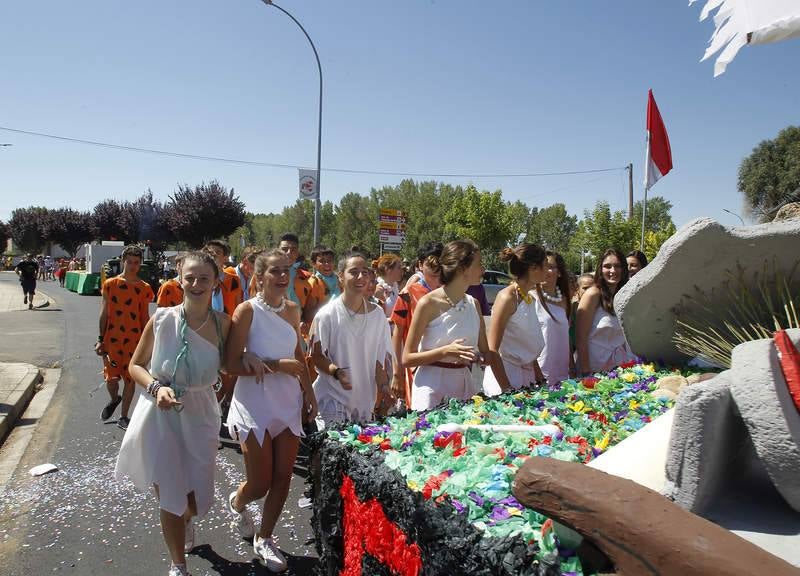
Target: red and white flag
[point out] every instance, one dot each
(659, 155)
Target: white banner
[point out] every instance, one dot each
(309, 189)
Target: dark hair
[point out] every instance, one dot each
(321, 250)
(203, 258)
(429, 249)
(132, 250)
(260, 264)
(346, 256)
(221, 244)
(563, 282)
(456, 256)
(289, 237)
(522, 258)
(606, 297)
(639, 255)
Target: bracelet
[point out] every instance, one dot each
(100, 338)
(336, 373)
(153, 388)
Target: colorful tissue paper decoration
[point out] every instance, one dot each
(472, 472)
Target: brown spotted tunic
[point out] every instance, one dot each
(126, 316)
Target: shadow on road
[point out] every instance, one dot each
(298, 565)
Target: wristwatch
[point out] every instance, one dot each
(336, 373)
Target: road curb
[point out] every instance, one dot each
(17, 385)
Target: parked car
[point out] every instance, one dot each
(494, 281)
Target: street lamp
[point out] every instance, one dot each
(6, 144)
(734, 214)
(319, 116)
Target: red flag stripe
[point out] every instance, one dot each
(660, 151)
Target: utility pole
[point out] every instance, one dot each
(630, 191)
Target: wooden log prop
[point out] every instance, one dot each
(639, 530)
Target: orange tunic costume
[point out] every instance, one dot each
(231, 292)
(170, 294)
(126, 316)
(401, 317)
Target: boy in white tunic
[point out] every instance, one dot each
(350, 345)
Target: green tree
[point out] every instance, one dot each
(356, 224)
(29, 228)
(602, 229)
(658, 214)
(770, 176)
(480, 216)
(554, 228)
(107, 217)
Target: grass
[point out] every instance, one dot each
(747, 306)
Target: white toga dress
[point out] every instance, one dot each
(176, 450)
(554, 359)
(607, 345)
(435, 384)
(521, 345)
(275, 403)
(355, 343)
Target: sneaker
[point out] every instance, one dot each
(110, 407)
(244, 522)
(30, 305)
(123, 422)
(269, 553)
(188, 538)
(178, 570)
(25, 299)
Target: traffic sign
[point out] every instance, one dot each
(392, 238)
(392, 247)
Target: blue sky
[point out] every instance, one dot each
(415, 86)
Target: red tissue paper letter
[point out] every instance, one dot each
(367, 529)
(790, 364)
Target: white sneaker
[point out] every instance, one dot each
(188, 537)
(269, 553)
(244, 522)
(180, 570)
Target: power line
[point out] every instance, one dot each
(296, 166)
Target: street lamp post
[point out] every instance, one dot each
(319, 117)
(734, 214)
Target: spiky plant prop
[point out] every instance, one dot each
(744, 308)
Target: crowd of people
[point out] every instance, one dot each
(267, 348)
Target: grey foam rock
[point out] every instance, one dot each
(697, 255)
(762, 397)
(705, 447)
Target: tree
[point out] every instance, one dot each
(601, 229)
(107, 217)
(770, 176)
(356, 224)
(143, 220)
(480, 216)
(29, 228)
(658, 215)
(69, 229)
(554, 228)
(196, 215)
(5, 234)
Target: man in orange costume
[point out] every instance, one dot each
(170, 293)
(123, 316)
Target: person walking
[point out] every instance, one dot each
(28, 270)
(515, 337)
(124, 313)
(171, 442)
(447, 333)
(350, 347)
(271, 400)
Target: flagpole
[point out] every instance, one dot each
(646, 177)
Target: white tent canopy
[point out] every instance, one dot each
(740, 22)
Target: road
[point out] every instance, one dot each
(79, 520)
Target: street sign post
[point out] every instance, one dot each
(392, 229)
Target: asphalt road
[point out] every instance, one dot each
(79, 520)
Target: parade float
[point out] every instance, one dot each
(606, 474)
